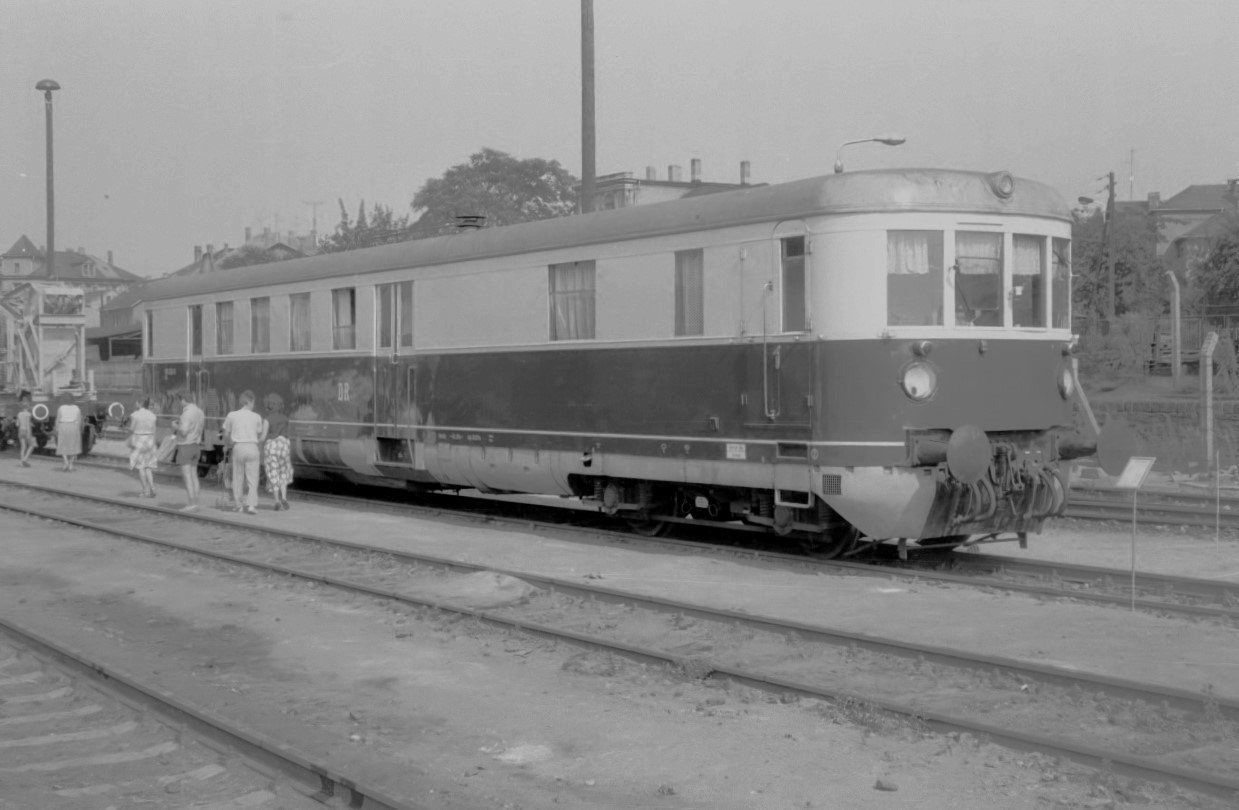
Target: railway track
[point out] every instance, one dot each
(1187, 597)
(77, 730)
(1023, 705)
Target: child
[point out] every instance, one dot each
(25, 433)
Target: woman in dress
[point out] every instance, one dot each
(276, 458)
(143, 452)
(68, 432)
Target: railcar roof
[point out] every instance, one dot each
(848, 193)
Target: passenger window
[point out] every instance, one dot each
(572, 300)
(794, 319)
(223, 327)
(914, 278)
(978, 279)
(260, 325)
(344, 318)
(299, 322)
(195, 330)
(395, 309)
(689, 293)
(1028, 281)
(1060, 290)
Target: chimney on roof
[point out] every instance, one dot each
(197, 254)
(675, 173)
(1155, 200)
(694, 168)
(651, 173)
(744, 172)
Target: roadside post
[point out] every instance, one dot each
(1133, 476)
(1206, 381)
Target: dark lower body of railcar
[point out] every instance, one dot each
(811, 437)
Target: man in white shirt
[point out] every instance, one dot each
(244, 430)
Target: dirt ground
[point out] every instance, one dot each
(452, 714)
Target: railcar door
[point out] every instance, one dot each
(395, 377)
(779, 371)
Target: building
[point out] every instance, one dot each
(99, 279)
(622, 189)
(1190, 221)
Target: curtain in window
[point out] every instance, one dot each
(978, 279)
(299, 322)
(572, 301)
(689, 292)
(342, 318)
(914, 278)
(978, 253)
(260, 325)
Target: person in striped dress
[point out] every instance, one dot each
(276, 456)
(143, 451)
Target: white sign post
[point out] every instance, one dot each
(1133, 476)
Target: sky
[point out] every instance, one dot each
(183, 123)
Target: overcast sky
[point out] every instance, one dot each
(182, 123)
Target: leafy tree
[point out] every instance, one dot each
(382, 227)
(1140, 284)
(1216, 279)
(247, 255)
(497, 186)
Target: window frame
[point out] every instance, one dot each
(295, 345)
(195, 330)
(344, 335)
(263, 346)
(225, 339)
(798, 268)
(690, 292)
(582, 320)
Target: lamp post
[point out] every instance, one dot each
(47, 86)
(888, 140)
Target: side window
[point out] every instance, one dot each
(1060, 289)
(572, 300)
(794, 319)
(150, 333)
(260, 325)
(914, 278)
(299, 322)
(1028, 272)
(978, 279)
(689, 292)
(195, 330)
(223, 327)
(344, 318)
(395, 314)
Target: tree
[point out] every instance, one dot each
(497, 186)
(1140, 286)
(247, 255)
(1216, 279)
(382, 227)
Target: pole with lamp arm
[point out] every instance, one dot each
(888, 140)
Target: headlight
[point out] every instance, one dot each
(1066, 382)
(918, 380)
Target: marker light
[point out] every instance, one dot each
(1066, 383)
(918, 380)
(40, 416)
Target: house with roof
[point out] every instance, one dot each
(1191, 221)
(99, 279)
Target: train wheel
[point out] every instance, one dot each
(648, 527)
(831, 545)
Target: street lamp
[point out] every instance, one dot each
(47, 86)
(889, 140)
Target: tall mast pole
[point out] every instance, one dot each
(588, 144)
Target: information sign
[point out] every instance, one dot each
(1135, 472)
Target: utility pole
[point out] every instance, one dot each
(587, 107)
(1107, 237)
(314, 204)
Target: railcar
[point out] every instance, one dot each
(882, 354)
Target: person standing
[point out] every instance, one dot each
(25, 432)
(143, 452)
(68, 432)
(276, 456)
(244, 431)
(189, 429)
